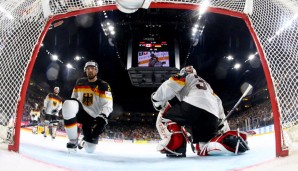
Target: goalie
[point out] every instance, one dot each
(199, 109)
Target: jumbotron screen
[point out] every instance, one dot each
(153, 54)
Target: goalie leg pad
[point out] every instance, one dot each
(70, 109)
(172, 137)
(231, 142)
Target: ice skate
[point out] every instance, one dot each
(171, 155)
(81, 144)
(72, 145)
(178, 153)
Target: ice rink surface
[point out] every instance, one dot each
(37, 153)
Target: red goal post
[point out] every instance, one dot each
(273, 25)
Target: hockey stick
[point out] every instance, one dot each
(188, 138)
(235, 106)
(39, 124)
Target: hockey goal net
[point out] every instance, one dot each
(273, 25)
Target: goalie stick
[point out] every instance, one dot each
(188, 138)
(238, 102)
(39, 124)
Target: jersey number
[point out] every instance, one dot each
(202, 84)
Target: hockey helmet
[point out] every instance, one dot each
(57, 89)
(91, 63)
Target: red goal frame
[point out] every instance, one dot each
(277, 127)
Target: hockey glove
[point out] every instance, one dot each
(98, 127)
(43, 111)
(223, 126)
(102, 116)
(54, 111)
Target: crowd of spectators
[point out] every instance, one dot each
(131, 131)
(256, 116)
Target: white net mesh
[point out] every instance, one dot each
(274, 22)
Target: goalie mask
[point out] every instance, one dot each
(188, 70)
(91, 63)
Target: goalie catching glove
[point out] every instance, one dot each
(158, 105)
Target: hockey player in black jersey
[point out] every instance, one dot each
(90, 104)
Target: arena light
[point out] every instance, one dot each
(194, 30)
(108, 28)
(203, 8)
(230, 57)
(251, 57)
(237, 66)
(69, 66)
(131, 6)
(198, 28)
(77, 58)
(55, 58)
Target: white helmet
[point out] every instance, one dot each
(188, 69)
(57, 89)
(91, 63)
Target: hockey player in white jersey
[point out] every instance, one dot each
(90, 104)
(51, 108)
(198, 108)
(34, 118)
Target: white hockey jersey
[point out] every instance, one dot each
(96, 97)
(52, 104)
(191, 89)
(34, 114)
